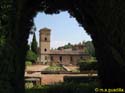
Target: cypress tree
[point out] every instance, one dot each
(34, 44)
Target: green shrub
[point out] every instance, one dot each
(31, 56)
(28, 85)
(28, 63)
(79, 79)
(87, 65)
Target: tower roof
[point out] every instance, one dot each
(45, 29)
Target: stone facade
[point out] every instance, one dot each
(44, 43)
(63, 56)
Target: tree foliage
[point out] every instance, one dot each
(90, 64)
(90, 48)
(87, 66)
(34, 44)
(65, 46)
(31, 56)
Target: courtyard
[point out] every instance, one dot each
(49, 78)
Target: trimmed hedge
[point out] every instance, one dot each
(79, 79)
(87, 66)
(65, 88)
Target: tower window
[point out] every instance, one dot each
(45, 49)
(45, 39)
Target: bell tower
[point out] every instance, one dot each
(44, 43)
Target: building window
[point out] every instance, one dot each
(51, 58)
(45, 39)
(45, 49)
(60, 58)
(45, 57)
(71, 59)
(81, 57)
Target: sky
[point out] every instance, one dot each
(64, 29)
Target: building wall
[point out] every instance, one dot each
(66, 59)
(45, 46)
(45, 58)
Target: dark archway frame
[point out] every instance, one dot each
(103, 20)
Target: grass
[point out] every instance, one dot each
(55, 68)
(75, 70)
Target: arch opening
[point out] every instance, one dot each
(95, 22)
(65, 28)
(65, 33)
(109, 50)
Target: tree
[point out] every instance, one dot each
(31, 56)
(69, 45)
(34, 44)
(12, 49)
(90, 48)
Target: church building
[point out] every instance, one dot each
(69, 56)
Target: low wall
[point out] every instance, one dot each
(66, 72)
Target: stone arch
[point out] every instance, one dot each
(101, 19)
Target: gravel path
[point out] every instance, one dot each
(36, 67)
